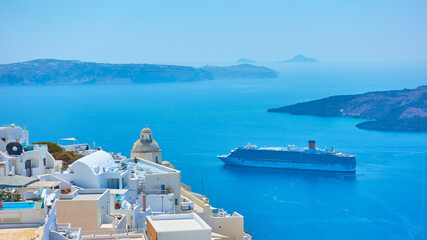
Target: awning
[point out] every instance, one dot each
(16, 181)
(69, 139)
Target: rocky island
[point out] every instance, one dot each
(52, 71)
(300, 59)
(242, 71)
(245, 60)
(399, 110)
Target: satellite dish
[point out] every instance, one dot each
(14, 148)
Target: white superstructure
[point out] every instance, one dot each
(19, 157)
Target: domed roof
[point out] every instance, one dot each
(145, 146)
(95, 161)
(146, 130)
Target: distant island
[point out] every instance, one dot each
(300, 59)
(52, 71)
(399, 110)
(241, 71)
(245, 60)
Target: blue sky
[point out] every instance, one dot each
(212, 31)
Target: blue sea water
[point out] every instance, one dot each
(193, 122)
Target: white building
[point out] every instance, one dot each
(12, 133)
(160, 185)
(230, 226)
(35, 220)
(96, 170)
(177, 227)
(146, 147)
(17, 156)
(90, 210)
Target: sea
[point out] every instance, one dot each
(193, 122)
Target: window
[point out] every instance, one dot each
(44, 161)
(176, 201)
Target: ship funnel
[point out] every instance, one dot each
(311, 144)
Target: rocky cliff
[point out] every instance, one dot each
(398, 110)
(52, 71)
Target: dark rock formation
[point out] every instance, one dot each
(398, 110)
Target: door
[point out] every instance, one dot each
(28, 172)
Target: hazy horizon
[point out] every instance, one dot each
(209, 32)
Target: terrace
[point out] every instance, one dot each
(139, 168)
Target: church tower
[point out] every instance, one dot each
(146, 147)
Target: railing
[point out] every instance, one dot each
(117, 234)
(186, 187)
(71, 233)
(192, 197)
(157, 191)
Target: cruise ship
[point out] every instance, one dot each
(291, 157)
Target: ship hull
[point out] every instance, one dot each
(286, 165)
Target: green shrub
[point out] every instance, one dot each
(51, 147)
(16, 197)
(67, 158)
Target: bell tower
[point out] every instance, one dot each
(146, 135)
(146, 147)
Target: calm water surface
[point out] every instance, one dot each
(193, 122)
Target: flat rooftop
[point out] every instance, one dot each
(48, 184)
(21, 233)
(176, 225)
(178, 222)
(118, 191)
(143, 167)
(91, 196)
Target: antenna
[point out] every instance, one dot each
(203, 192)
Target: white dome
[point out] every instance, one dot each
(95, 162)
(146, 130)
(145, 146)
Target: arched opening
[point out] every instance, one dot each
(3, 166)
(157, 159)
(28, 169)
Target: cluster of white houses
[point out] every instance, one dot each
(103, 196)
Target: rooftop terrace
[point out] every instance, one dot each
(143, 167)
(84, 194)
(177, 222)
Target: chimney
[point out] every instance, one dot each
(311, 144)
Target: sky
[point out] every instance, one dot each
(158, 31)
